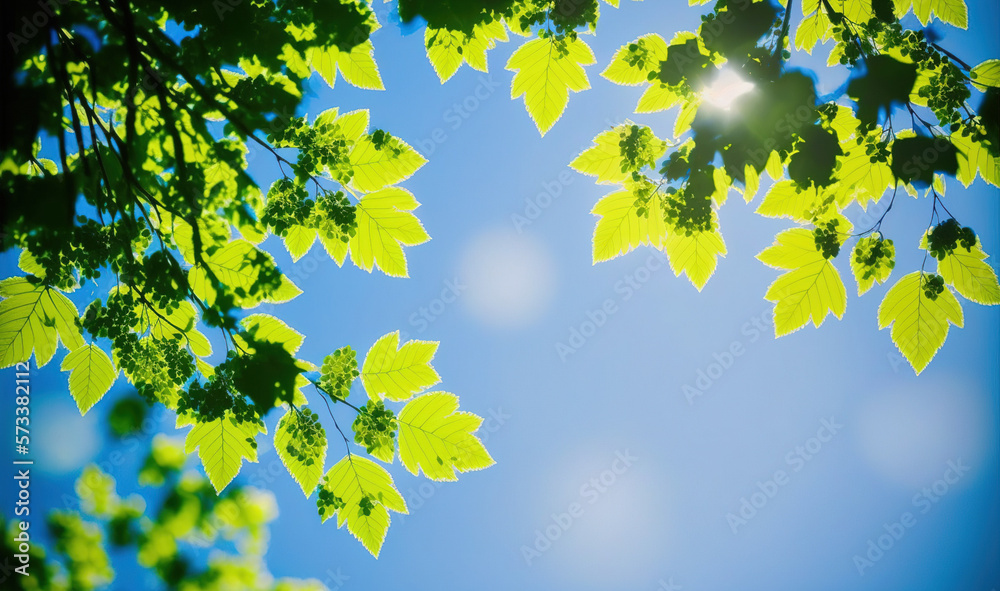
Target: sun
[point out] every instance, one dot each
(725, 89)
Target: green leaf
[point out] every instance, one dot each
(685, 117)
(603, 159)
(688, 63)
(723, 183)
(747, 23)
(268, 375)
(775, 166)
(845, 124)
(238, 266)
(919, 324)
(380, 165)
(359, 491)
(338, 372)
(815, 159)
(375, 428)
(658, 97)
(298, 240)
(872, 261)
(304, 460)
(785, 200)
(398, 372)
(214, 234)
(327, 117)
(268, 329)
(696, 255)
(887, 81)
(222, 446)
(437, 438)
(336, 248)
(811, 30)
(146, 367)
(385, 224)
(969, 273)
(36, 318)
(446, 49)
(953, 12)
(357, 66)
(812, 287)
(634, 61)
(622, 227)
(751, 183)
(986, 74)
(857, 11)
(180, 324)
(861, 179)
(353, 124)
(546, 70)
(973, 157)
(30, 265)
(91, 375)
(918, 158)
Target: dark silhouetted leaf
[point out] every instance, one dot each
(816, 157)
(916, 159)
(684, 62)
(750, 21)
(989, 113)
(887, 81)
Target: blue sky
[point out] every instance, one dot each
(861, 442)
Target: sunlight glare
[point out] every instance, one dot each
(725, 89)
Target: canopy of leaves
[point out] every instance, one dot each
(125, 143)
(128, 158)
(905, 121)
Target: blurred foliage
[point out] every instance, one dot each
(127, 416)
(191, 539)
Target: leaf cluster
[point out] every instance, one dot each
(908, 127)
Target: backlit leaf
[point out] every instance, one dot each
(398, 372)
(306, 465)
(970, 275)
(622, 227)
(809, 290)
(91, 375)
(919, 324)
(546, 70)
(34, 318)
(385, 225)
(360, 492)
(696, 255)
(223, 444)
(437, 439)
